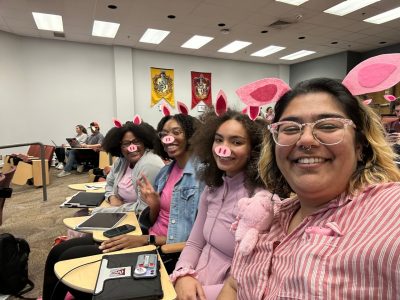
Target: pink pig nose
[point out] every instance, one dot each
(223, 151)
(132, 148)
(168, 139)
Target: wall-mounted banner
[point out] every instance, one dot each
(162, 86)
(201, 88)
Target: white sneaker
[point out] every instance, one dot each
(80, 168)
(60, 166)
(63, 174)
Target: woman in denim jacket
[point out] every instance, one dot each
(175, 196)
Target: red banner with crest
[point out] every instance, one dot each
(201, 88)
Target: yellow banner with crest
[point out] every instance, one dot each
(162, 86)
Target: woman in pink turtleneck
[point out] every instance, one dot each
(229, 147)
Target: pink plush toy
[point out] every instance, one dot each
(255, 216)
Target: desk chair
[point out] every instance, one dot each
(84, 278)
(5, 180)
(32, 169)
(13, 159)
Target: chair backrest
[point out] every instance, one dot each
(8, 177)
(48, 152)
(34, 150)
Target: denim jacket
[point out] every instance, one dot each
(184, 202)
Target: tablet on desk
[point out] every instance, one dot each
(73, 142)
(101, 221)
(84, 200)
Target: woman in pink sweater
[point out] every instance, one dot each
(229, 147)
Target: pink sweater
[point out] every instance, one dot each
(209, 249)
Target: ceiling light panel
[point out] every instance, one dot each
(349, 6)
(153, 36)
(234, 47)
(385, 17)
(293, 2)
(48, 22)
(197, 41)
(268, 51)
(297, 55)
(105, 29)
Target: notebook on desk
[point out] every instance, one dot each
(84, 200)
(115, 279)
(101, 221)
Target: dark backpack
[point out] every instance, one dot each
(14, 253)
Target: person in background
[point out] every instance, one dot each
(76, 156)
(269, 114)
(338, 237)
(394, 126)
(134, 145)
(229, 148)
(81, 137)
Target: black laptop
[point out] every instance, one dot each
(84, 200)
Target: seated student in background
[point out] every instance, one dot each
(81, 137)
(134, 145)
(206, 259)
(339, 236)
(75, 155)
(174, 199)
(173, 211)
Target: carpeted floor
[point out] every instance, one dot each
(26, 215)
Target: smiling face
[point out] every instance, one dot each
(323, 172)
(177, 148)
(127, 140)
(234, 136)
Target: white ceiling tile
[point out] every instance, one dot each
(245, 19)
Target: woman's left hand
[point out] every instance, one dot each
(123, 242)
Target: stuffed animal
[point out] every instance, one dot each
(255, 216)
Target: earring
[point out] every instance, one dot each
(360, 156)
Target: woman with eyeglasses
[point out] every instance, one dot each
(338, 236)
(134, 145)
(174, 197)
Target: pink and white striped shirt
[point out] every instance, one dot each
(348, 250)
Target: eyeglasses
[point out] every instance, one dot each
(174, 131)
(328, 131)
(126, 144)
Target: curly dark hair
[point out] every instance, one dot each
(143, 132)
(202, 142)
(189, 125)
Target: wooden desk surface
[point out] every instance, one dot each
(93, 187)
(98, 234)
(84, 278)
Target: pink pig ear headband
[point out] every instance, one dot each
(372, 75)
(137, 120)
(182, 108)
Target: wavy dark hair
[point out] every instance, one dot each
(203, 140)
(189, 125)
(82, 128)
(377, 163)
(143, 132)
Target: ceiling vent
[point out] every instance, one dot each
(59, 34)
(280, 24)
